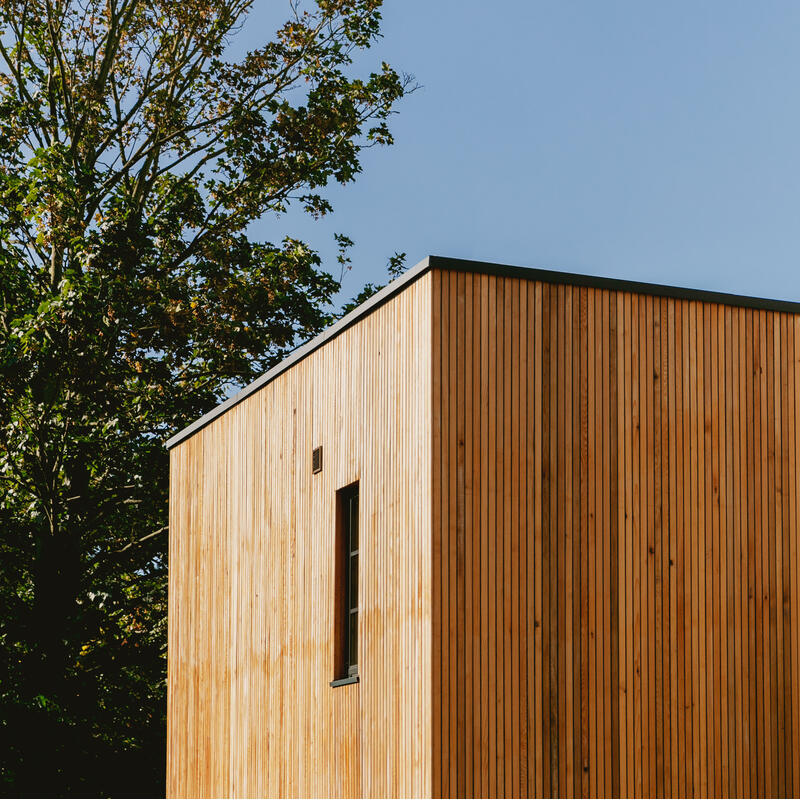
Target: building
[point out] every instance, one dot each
(497, 532)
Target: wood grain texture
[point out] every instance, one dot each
(251, 645)
(579, 567)
(630, 466)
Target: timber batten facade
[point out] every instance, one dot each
(580, 571)
(251, 636)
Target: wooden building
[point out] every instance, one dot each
(499, 532)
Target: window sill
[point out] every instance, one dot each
(345, 681)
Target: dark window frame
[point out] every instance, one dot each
(350, 499)
(346, 610)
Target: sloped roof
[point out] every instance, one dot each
(482, 267)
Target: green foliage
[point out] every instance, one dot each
(134, 159)
(395, 267)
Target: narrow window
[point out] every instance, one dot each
(346, 584)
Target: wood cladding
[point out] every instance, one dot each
(616, 576)
(252, 528)
(579, 570)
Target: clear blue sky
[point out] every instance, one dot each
(640, 140)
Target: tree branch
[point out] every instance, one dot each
(143, 539)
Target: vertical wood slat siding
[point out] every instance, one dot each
(615, 543)
(581, 560)
(250, 709)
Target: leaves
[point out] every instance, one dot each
(136, 159)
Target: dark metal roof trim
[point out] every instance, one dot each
(378, 299)
(614, 284)
(487, 268)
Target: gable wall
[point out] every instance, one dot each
(250, 709)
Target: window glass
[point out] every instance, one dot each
(352, 665)
(354, 520)
(346, 583)
(354, 582)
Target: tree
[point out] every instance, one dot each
(135, 155)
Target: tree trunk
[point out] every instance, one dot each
(48, 681)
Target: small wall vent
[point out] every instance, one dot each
(316, 459)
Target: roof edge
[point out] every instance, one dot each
(487, 268)
(613, 284)
(349, 319)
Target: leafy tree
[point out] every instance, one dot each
(135, 155)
